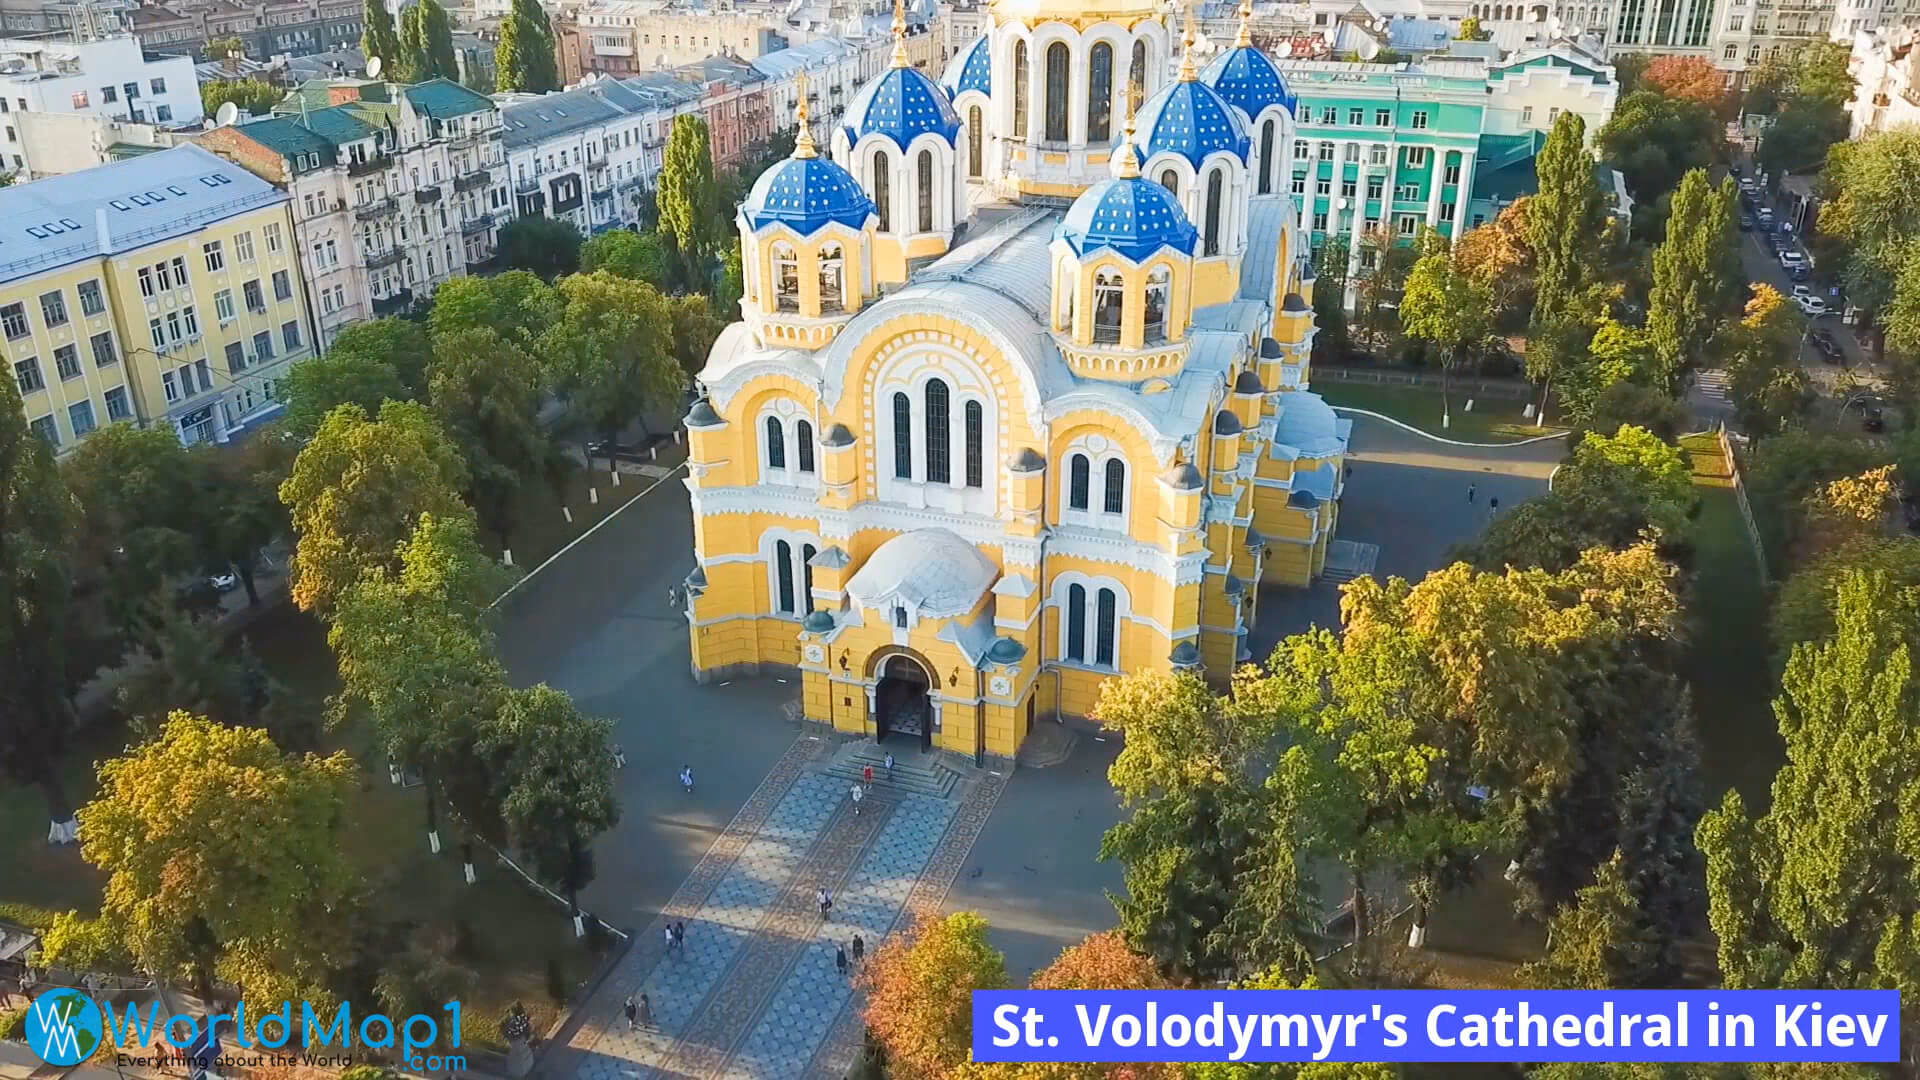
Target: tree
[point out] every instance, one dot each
(1448, 310)
(377, 35)
(1618, 353)
(689, 219)
(919, 992)
(1566, 230)
(694, 332)
(399, 343)
(1654, 140)
(1628, 402)
(1496, 257)
(612, 351)
(189, 672)
(732, 285)
(1470, 30)
(1875, 209)
(318, 385)
(1687, 78)
(547, 246)
(426, 42)
(1598, 943)
(627, 254)
(1629, 69)
(1803, 610)
(486, 393)
(524, 59)
(1764, 377)
(1820, 890)
(1784, 469)
(134, 487)
(516, 305)
(37, 521)
(359, 488)
(1798, 139)
(1332, 342)
(1694, 270)
(1384, 265)
(1656, 469)
(225, 858)
(225, 48)
(239, 502)
(251, 95)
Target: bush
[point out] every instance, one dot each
(367, 1072)
(13, 1024)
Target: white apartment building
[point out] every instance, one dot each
(584, 155)
(1886, 69)
(836, 69)
(110, 80)
(1853, 17)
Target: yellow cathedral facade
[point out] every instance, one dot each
(1018, 401)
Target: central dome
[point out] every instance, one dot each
(804, 193)
(1131, 215)
(901, 104)
(1191, 119)
(933, 571)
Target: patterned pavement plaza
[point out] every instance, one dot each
(755, 993)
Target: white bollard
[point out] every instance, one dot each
(616, 478)
(1527, 413)
(468, 867)
(1417, 937)
(1469, 407)
(1446, 420)
(653, 453)
(579, 927)
(593, 496)
(567, 513)
(678, 435)
(506, 556)
(433, 840)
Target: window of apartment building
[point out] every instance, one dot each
(1416, 156)
(192, 321)
(163, 276)
(206, 375)
(163, 114)
(223, 306)
(1526, 114)
(1323, 186)
(1350, 152)
(132, 90)
(262, 346)
(159, 86)
(1375, 185)
(1419, 119)
(236, 357)
(243, 246)
(1732, 52)
(48, 431)
(158, 332)
(13, 321)
(173, 327)
(1356, 117)
(250, 291)
(1453, 173)
(109, 95)
(66, 361)
(271, 230)
(290, 335)
(1320, 221)
(282, 285)
(53, 308)
(1347, 189)
(146, 281)
(216, 258)
(1553, 114)
(1302, 150)
(1760, 22)
(103, 354)
(1446, 211)
(81, 417)
(79, 99)
(326, 302)
(1735, 22)
(1406, 192)
(1376, 155)
(91, 302)
(340, 298)
(27, 374)
(1299, 184)
(1383, 118)
(117, 405)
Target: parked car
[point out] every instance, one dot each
(1772, 242)
(1798, 272)
(1746, 222)
(1813, 306)
(225, 583)
(1790, 257)
(1873, 422)
(1798, 292)
(1765, 220)
(1827, 346)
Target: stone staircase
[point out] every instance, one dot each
(1347, 560)
(915, 772)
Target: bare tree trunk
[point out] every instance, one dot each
(1360, 928)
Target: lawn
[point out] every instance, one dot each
(543, 529)
(1493, 419)
(1727, 660)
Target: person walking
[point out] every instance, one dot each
(619, 757)
(826, 902)
(686, 778)
(1493, 506)
(859, 949)
(889, 766)
(680, 936)
(632, 1009)
(856, 794)
(840, 960)
(866, 775)
(646, 1011)
(668, 931)
(1471, 487)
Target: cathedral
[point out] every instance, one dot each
(1018, 401)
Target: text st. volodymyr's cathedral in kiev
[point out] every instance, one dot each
(1019, 398)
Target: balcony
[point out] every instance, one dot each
(479, 178)
(386, 204)
(477, 223)
(526, 185)
(368, 165)
(471, 138)
(385, 258)
(394, 304)
(427, 196)
(602, 193)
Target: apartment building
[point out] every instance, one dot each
(583, 155)
(624, 37)
(394, 189)
(836, 69)
(65, 104)
(159, 291)
(1886, 69)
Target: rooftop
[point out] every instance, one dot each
(444, 99)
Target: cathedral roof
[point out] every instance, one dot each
(805, 193)
(970, 69)
(1246, 77)
(901, 104)
(1191, 119)
(1131, 215)
(933, 571)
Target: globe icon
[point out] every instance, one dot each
(63, 1027)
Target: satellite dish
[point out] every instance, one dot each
(227, 114)
(373, 67)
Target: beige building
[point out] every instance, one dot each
(1886, 72)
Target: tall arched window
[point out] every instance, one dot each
(1105, 628)
(902, 437)
(926, 191)
(1159, 288)
(806, 579)
(1077, 623)
(776, 444)
(803, 446)
(1020, 81)
(832, 271)
(1137, 76)
(1108, 307)
(939, 467)
(1057, 92)
(976, 435)
(783, 574)
(1215, 181)
(976, 138)
(1114, 498)
(1267, 164)
(1100, 93)
(882, 191)
(786, 278)
(1170, 180)
(1079, 479)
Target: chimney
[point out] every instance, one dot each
(100, 226)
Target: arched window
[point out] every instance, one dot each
(1114, 498)
(976, 138)
(1079, 479)
(1020, 80)
(786, 278)
(902, 437)
(976, 435)
(1137, 76)
(832, 271)
(1267, 164)
(806, 579)
(1159, 287)
(1215, 181)
(1105, 628)
(1100, 93)
(939, 468)
(882, 191)
(1057, 92)
(1170, 180)
(803, 446)
(1108, 306)
(776, 444)
(926, 191)
(1077, 623)
(783, 573)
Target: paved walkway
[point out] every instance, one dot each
(756, 993)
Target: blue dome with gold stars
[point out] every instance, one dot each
(901, 104)
(805, 193)
(1248, 78)
(1191, 119)
(971, 69)
(1131, 215)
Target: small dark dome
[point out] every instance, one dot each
(1308, 273)
(817, 622)
(1248, 383)
(1225, 423)
(1005, 650)
(1235, 586)
(1293, 304)
(837, 435)
(1303, 500)
(702, 415)
(1185, 654)
(1027, 460)
(1269, 349)
(1183, 477)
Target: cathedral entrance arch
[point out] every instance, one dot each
(903, 701)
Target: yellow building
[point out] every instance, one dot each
(163, 289)
(958, 473)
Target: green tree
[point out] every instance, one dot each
(239, 502)
(628, 254)
(1654, 140)
(690, 220)
(920, 993)
(1875, 208)
(359, 488)
(1694, 272)
(1630, 68)
(1785, 469)
(1332, 342)
(1798, 139)
(516, 305)
(612, 349)
(1656, 468)
(1597, 944)
(1803, 610)
(732, 285)
(1448, 310)
(399, 343)
(1566, 230)
(225, 858)
(426, 43)
(1764, 378)
(524, 60)
(557, 792)
(486, 393)
(377, 35)
(1629, 402)
(134, 487)
(1280, 1070)
(251, 95)
(316, 386)
(190, 672)
(546, 246)
(222, 48)
(694, 331)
